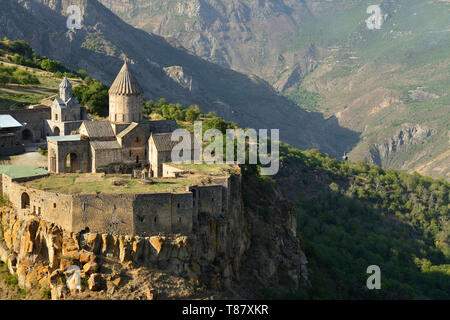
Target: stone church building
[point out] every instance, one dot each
(124, 142)
(66, 112)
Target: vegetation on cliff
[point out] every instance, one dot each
(21, 53)
(353, 215)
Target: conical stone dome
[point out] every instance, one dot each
(65, 83)
(126, 98)
(125, 83)
(65, 90)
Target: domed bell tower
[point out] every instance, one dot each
(125, 98)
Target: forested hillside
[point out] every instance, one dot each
(353, 215)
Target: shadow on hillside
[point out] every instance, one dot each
(343, 235)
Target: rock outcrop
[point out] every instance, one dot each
(43, 254)
(380, 154)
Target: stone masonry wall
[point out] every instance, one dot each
(49, 206)
(34, 118)
(122, 214)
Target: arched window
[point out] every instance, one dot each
(27, 135)
(25, 199)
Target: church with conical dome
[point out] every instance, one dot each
(125, 98)
(123, 143)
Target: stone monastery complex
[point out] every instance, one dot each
(125, 142)
(112, 176)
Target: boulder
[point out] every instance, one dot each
(90, 267)
(95, 282)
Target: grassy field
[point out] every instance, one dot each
(68, 183)
(203, 168)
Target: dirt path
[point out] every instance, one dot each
(32, 158)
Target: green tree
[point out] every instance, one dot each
(94, 95)
(24, 77)
(49, 65)
(192, 114)
(18, 59)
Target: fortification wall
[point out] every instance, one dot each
(210, 200)
(103, 213)
(52, 207)
(122, 214)
(152, 213)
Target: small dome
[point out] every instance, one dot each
(125, 83)
(65, 83)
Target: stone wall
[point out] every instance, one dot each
(34, 119)
(122, 214)
(210, 200)
(58, 128)
(104, 157)
(49, 206)
(128, 157)
(170, 172)
(109, 213)
(9, 143)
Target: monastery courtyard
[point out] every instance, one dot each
(73, 183)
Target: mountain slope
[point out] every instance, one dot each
(390, 84)
(164, 71)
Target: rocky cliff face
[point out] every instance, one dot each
(383, 153)
(233, 256)
(245, 35)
